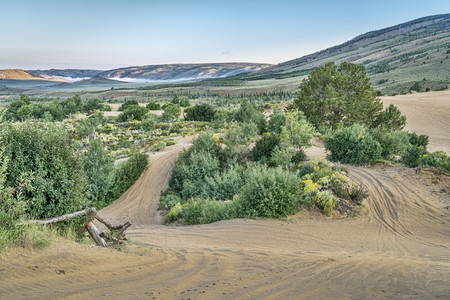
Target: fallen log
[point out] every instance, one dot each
(91, 213)
(57, 219)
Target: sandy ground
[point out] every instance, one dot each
(426, 113)
(398, 247)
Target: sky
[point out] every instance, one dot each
(107, 34)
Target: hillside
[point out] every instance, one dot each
(182, 71)
(18, 74)
(395, 57)
(171, 72)
(66, 73)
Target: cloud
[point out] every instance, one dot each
(228, 52)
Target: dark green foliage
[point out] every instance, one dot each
(392, 142)
(338, 95)
(353, 145)
(249, 113)
(55, 110)
(189, 173)
(129, 103)
(416, 87)
(277, 120)
(269, 192)
(128, 173)
(41, 156)
(204, 211)
(411, 156)
(201, 112)
(99, 170)
(153, 105)
(132, 112)
(185, 102)
(418, 140)
(389, 119)
(171, 112)
(299, 156)
(264, 147)
(437, 159)
(91, 105)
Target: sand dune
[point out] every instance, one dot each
(426, 113)
(398, 247)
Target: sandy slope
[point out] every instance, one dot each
(399, 247)
(426, 113)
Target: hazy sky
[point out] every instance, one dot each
(108, 34)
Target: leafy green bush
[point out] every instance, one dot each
(393, 142)
(40, 155)
(202, 211)
(411, 156)
(127, 104)
(418, 140)
(99, 170)
(437, 159)
(201, 112)
(277, 120)
(264, 147)
(353, 145)
(127, 174)
(132, 112)
(269, 192)
(153, 105)
(193, 170)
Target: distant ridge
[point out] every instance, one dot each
(18, 74)
(166, 72)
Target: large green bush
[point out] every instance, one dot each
(353, 145)
(437, 159)
(41, 156)
(264, 147)
(269, 192)
(127, 174)
(201, 112)
(99, 170)
(132, 112)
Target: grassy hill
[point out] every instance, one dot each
(17, 74)
(395, 57)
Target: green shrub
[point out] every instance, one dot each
(153, 105)
(202, 211)
(264, 147)
(437, 159)
(418, 140)
(393, 142)
(269, 192)
(41, 156)
(128, 173)
(201, 112)
(353, 145)
(159, 147)
(411, 156)
(132, 112)
(194, 169)
(99, 170)
(127, 104)
(277, 120)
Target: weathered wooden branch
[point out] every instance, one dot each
(118, 231)
(57, 219)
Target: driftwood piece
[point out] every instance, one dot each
(95, 234)
(57, 219)
(118, 232)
